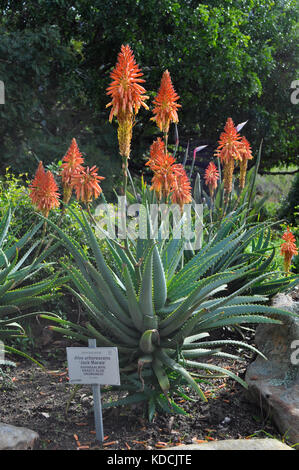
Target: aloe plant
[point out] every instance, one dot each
(255, 245)
(17, 266)
(158, 313)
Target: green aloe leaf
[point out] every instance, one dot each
(146, 288)
(133, 305)
(161, 375)
(212, 367)
(168, 361)
(159, 281)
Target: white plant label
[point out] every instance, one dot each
(93, 366)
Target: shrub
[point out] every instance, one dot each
(288, 209)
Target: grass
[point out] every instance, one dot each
(275, 186)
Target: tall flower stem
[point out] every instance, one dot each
(125, 175)
(42, 240)
(125, 185)
(52, 238)
(237, 202)
(211, 210)
(227, 196)
(87, 205)
(166, 140)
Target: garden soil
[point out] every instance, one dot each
(44, 401)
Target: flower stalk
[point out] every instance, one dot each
(71, 164)
(43, 191)
(288, 249)
(166, 106)
(127, 96)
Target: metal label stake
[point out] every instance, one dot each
(97, 402)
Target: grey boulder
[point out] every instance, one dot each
(236, 444)
(17, 438)
(274, 383)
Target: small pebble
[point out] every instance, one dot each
(226, 420)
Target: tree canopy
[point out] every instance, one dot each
(226, 58)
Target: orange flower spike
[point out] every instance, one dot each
(157, 154)
(44, 191)
(181, 188)
(169, 177)
(126, 93)
(86, 184)
(157, 148)
(228, 151)
(39, 176)
(71, 163)
(166, 106)
(211, 177)
(245, 152)
(127, 97)
(229, 143)
(163, 179)
(288, 249)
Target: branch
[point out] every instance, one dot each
(278, 172)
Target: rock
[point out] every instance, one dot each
(274, 383)
(236, 444)
(15, 438)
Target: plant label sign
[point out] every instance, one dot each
(93, 366)
(96, 367)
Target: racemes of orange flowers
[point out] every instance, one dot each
(170, 178)
(43, 191)
(211, 177)
(233, 148)
(127, 96)
(166, 106)
(74, 176)
(71, 164)
(229, 151)
(86, 184)
(229, 143)
(288, 249)
(161, 163)
(181, 188)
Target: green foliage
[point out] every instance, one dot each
(289, 206)
(18, 291)
(226, 59)
(14, 194)
(159, 313)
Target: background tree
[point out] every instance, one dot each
(226, 58)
